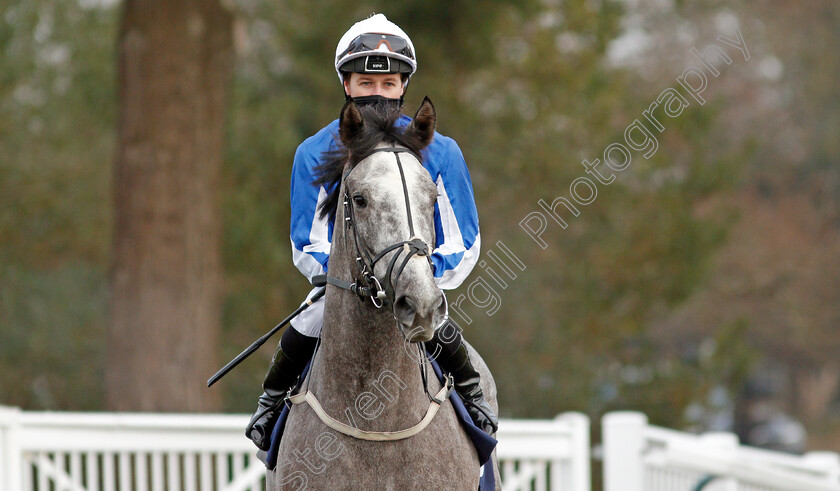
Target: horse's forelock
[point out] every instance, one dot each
(380, 127)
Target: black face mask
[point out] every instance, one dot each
(367, 100)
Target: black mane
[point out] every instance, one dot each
(379, 127)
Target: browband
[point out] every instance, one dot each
(396, 150)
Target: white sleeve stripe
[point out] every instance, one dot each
(453, 278)
(454, 242)
(305, 263)
(318, 243)
(318, 233)
(316, 248)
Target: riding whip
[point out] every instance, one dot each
(259, 342)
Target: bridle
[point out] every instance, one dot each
(368, 285)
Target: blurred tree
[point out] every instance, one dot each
(797, 182)
(56, 143)
(175, 61)
(778, 270)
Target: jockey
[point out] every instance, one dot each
(375, 60)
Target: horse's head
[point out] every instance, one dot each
(388, 200)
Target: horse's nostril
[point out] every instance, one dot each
(404, 306)
(404, 310)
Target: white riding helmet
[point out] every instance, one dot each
(375, 45)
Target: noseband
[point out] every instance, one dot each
(380, 292)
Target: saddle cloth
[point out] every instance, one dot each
(484, 443)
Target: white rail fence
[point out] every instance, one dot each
(541, 455)
(46, 451)
(641, 457)
(43, 451)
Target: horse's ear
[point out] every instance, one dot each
(422, 128)
(350, 123)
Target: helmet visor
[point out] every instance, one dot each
(373, 41)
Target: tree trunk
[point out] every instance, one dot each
(175, 62)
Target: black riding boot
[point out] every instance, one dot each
(453, 357)
(293, 353)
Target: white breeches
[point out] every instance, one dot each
(310, 321)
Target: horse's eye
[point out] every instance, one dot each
(359, 201)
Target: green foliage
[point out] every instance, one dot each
(52, 340)
(56, 141)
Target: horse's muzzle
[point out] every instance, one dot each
(417, 319)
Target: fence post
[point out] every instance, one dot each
(829, 462)
(10, 452)
(623, 441)
(724, 445)
(580, 468)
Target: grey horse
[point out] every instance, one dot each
(366, 372)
